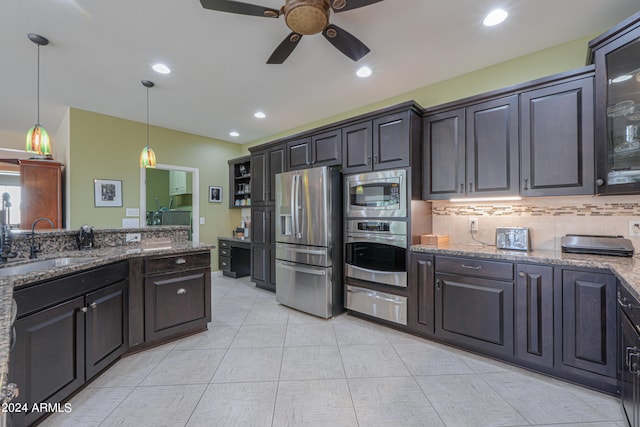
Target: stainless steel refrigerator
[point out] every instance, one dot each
(309, 241)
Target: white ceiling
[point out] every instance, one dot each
(100, 50)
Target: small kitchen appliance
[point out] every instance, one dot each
(513, 238)
(596, 245)
(376, 194)
(85, 238)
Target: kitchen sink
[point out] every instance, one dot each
(43, 265)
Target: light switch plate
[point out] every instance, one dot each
(201, 220)
(634, 228)
(133, 212)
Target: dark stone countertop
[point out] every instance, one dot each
(627, 269)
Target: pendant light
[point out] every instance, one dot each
(147, 157)
(37, 138)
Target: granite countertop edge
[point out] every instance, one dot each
(235, 239)
(626, 269)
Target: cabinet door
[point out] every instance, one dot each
(629, 379)
(492, 148)
(586, 322)
(392, 141)
(259, 175)
(557, 140)
(106, 326)
(299, 154)
(444, 155)
(534, 314)
(421, 298)
(47, 362)
(41, 192)
(175, 303)
(475, 313)
(357, 143)
(276, 165)
(326, 149)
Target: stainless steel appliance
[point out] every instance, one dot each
(516, 238)
(376, 251)
(376, 194)
(629, 342)
(377, 304)
(309, 241)
(597, 245)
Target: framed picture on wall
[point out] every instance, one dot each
(107, 193)
(215, 194)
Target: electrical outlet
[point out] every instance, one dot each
(133, 237)
(634, 228)
(473, 224)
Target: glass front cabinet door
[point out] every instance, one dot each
(617, 58)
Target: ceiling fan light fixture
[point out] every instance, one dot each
(307, 17)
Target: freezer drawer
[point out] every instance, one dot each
(301, 254)
(304, 287)
(378, 304)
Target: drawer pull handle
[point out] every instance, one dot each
(181, 261)
(181, 291)
(472, 267)
(94, 304)
(521, 274)
(429, 263)
(84, 309)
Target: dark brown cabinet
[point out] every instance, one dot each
(421, 294)
(324, 149)
(265, 165)
(534, 315)
(557, 138)
(382, 143)
(263, 247)
(177, 295)
(240, 182)
(472, 310)
(67, 331)
(234, 258)
(616, 55)
(472, 152)
(585, 311)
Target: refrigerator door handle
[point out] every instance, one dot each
(298, 233)
(294, 228)
(294, 267)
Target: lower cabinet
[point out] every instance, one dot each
(177, 295)
(554, 319)
(67, 331)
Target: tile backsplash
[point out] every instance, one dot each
(548, 219)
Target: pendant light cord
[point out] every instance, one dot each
(38, 85)
(147, 117)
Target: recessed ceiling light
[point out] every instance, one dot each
(622, 78)
(363, 72)
(260, 115)
(161, 68)
(495, 17)
(234, 133)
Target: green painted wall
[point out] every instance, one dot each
(107, 147)
(556, 59)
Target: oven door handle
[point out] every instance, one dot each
(400, 241)
(376, 272)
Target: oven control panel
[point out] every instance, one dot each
(373, 226)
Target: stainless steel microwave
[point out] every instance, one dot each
(376, 194)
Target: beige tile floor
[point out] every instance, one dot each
(261, 364)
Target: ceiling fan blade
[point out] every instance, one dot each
(239, 7)
(342, 5)
(284, 49)
(345, 42)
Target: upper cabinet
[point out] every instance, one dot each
(324, 149)
(382, 143)
(557, 139)
(41, 187)
(179, 183)
(240, 182)
(616, 55)
(534, 139)
(472, 151)
(266, 163)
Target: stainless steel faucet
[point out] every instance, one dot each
(33, 250)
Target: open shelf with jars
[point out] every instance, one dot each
(240, 182)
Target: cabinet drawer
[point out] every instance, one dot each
(176, 262)
(497, 270)
(224, 263)
(224, 252)
(224, 244)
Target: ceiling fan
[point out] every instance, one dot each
(303, 17)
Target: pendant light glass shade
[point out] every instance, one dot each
(147, 157)
(38, 141)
